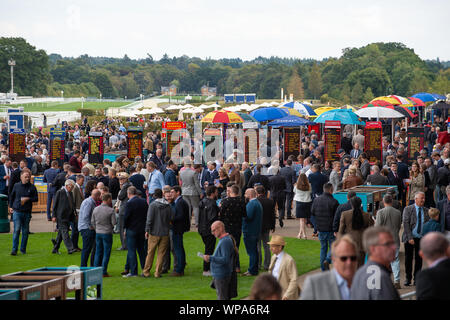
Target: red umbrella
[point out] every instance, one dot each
(381, 103)
(403, 110)
(417, 102)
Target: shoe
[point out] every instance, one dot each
(281, 222)
(129, 275)
(23, 252)
(106, 275)
(49, 219)
(125, 272)
(72, 251)
(248, 274)
(164, 271)
(77, 249)
(29, 232)
(407, 283)
(176, 274)
(55, 251)
(315, 235)
(238, 270)
(207, 273)
(397, 285)
(144, 276)
(14, 253)
(158, 276)
(299, 236)
(326, 265)
(54, 242)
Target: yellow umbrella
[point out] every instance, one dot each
(222, 116)
(292, 111)
(321, 110)
(347, 106)
(392, 101)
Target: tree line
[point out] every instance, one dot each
(357, 76)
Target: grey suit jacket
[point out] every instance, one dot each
(409, 221)
(391, 218)
(190, 183)
(321, 286)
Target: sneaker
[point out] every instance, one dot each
(207, 273)
(248, 274)
(124, 272)
(129, 275)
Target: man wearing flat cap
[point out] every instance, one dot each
(283, 268)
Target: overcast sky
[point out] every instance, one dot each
(226, 29)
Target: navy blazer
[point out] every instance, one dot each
(170, 178)
(136, 214)
(442, 207)
(3, 188)
(181, 220)
(402, 170)
(317, 180)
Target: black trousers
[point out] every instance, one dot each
(210, 243)
(410, 252)
(63, 235)
(279, 199)
(288, 205)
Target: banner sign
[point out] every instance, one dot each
(416, 142)
(57, 145)
(373, 142)
(134, 142)
(332, 140)
(40, 185)
(95, 148)
(173, 125)
(291, 143)
(17, 145)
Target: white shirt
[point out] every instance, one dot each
(276, 267)
(342, 285)
(8, 173)
(302, 196)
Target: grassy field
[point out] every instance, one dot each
(193, 286)
(71, 106)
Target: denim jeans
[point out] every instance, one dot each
(88, 237)
(180, 254)
(251, 245)
(75, 234)
(395, 265)
(21, 223)
(135, 243)
(288, 204)
(326, 239)
(103, 244)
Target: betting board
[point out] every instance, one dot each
(172, 138)
(251, 145)
(291, 143)
(57, 149)
(373, 147)
(96, 148)
(17, 145)
(134, 142)
(416, 142)
(332, 140)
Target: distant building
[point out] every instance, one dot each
(209, 91)
(167, 91)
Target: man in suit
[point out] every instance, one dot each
(247, 174)
(15, 174)
(444, 211)
(290, 177)
(283, 268)
(5, 174)
(64, 213)
(392, 219)
(395, 179)
(191, 190)
(277, 193)
(376, 178)
(414, 217)
(334, 284)
(342, 207)
(137, 179)
(356, 151)
(181, 223)
(134, 223)
(50, 175)
(157, 159)
(433, 283)
(365, 165)
(268, 224)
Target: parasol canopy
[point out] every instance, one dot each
(424, 96)
(438, 96)
(417, 102)
(390, 100)
(321, 110)
(175, 107)
(222, 116)
(403, 110)
(303, 108)
(345, 116)
(291, 111)
(441, 105)
(402, 101)
(290, 121)
(376, 112)
(246, 117)
(267, 114)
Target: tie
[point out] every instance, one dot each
(419, 222)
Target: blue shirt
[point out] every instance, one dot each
(84, 217)
(155, 181)
(418, 233)
(221, 260)
(342, 285)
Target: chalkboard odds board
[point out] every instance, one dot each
(134, 142)
(95, 148)
(373, 141)
(332, 140)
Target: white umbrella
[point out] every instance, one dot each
(205, 106)
(180, 116)
(193, 110)
(155, 110)
(273, 103)
(378, 112)
(252, 107)
(127, 113)
(266, 104)
(215, 105)
(175, 107)
(187, 106)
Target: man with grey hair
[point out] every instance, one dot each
(392, 219)
(376, 178)
(433, 283)
(64, 213)
(373, 281)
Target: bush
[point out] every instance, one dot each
(324, 98)
(86, 112)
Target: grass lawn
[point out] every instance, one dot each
(193, 286)
(71, 106)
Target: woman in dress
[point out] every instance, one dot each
(223, 180)
(417, 182)
(302, 198)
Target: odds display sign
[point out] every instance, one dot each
(17, 145)
(96, 148)
(373, 145)
(172, 139)
(134, 142)
(251, 137)
(416, 142)
(57, 137)
(332, 140)
(291, 143)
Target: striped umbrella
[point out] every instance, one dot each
(222, 116)
(390, 100)
(403, 110)
(292, 112)
(417, 102)
(402, 101)
(303, 108)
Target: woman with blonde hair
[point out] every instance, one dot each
(302, 198)
(417, 183)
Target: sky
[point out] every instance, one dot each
(226, 29)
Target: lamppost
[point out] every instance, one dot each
(12, 63)
(100, 96)
(62, 94)
(142, 99)
(82, 102)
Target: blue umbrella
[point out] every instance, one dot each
(425, 97)
(267, 114)
(345, 116)
(439, 96)
(290, 121)
(303, 108)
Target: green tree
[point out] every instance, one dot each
(315, 81)
(295, 86)
(368, 95)
(442, 83)
(357, 93)
(104, 84)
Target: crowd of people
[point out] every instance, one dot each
(151, 201)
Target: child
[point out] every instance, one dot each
(432, 224)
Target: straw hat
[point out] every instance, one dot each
(277, 240)
(122, 175)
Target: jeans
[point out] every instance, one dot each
(179, 252)
(237, 239)
(121, 231)
(326, 239)
(21, 223)
(210, 242)
(264, 238)
(288, 205)
(103, 243)
(50, 196)
(88, 237)
(135, 242)
(395, 265)
(251, 246)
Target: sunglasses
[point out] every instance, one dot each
(345, 258)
